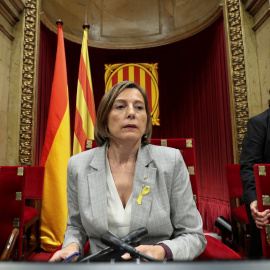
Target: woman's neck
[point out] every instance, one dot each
(123, 153)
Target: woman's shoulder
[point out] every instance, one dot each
(164, 150)
(84, 157)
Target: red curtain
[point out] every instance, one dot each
(194, 101)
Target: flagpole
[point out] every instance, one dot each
(85, 115)
(86, 12)
(59, 21)
(86, 25)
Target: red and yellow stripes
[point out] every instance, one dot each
(144, 75)
(85, 116)
(55, 155)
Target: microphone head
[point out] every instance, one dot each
(110, 240)
(116, 243)
(135, 236)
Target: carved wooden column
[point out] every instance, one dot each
(239, 103)
(28, 80)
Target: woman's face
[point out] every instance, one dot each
(127, 118)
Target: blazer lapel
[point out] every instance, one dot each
(144, 176)
(98, 190)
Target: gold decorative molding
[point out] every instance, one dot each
(238, 73)
(27, 97)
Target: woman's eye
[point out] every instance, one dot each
(140, 107)
(119, 107)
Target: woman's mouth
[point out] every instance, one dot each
(130, 126)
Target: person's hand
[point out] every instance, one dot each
(260, 218)
(157, 252)
(65, 252)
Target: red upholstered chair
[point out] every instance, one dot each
(216, 250)
(32, 210)
(12, 197)
(262, 180)
(187, 149)
(240, 223)
(19, 207)
(10, 245)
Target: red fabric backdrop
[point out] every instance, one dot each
(194, 100)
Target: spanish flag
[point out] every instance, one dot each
(55, 155)
(85, 116)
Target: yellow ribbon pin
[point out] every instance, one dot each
(145, 191)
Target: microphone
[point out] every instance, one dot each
(116, 243)
(133, 237)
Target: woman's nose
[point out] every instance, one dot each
(130, 111)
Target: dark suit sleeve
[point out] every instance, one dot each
(252, 153)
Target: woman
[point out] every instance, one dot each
(126, 184)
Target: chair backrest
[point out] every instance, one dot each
(234, 181)
(187, 149)
(262, 180)
(34, 182)
(12, 196)
(19, 186)
(89, 144)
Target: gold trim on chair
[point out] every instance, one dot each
(89, 144)
(20, 171)
(267, 228)
(189, 143)
(267, 236)
(163, 142)
(18, 196)
(262, 171)
(265, 200)
(191, 170)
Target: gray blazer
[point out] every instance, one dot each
(167, 211)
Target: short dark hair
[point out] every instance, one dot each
(102, 134)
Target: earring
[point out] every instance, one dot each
(144, 137)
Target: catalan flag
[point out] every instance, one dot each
(85, 116)
(55, 155)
